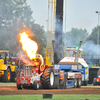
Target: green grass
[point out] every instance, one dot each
(55, 97)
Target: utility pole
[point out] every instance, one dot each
(98, 35)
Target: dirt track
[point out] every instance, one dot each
(12, 90)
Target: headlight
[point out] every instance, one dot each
(86, 72)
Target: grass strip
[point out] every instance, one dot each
(55, 97)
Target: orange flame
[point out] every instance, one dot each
(28, 45)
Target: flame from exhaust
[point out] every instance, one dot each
(28, 45)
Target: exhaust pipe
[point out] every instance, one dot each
(76, 57)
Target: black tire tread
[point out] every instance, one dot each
(5, 79)
(19, 86)
(78, 85)
(45, 79)
(35, 85)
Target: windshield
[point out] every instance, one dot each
(72, 53)
(2, 55)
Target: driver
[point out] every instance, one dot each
(38, 60)
(74, 54)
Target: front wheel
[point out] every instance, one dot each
(7, 75)
(19, 86)
(79, 82)
(36, 85)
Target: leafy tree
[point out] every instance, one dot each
(75, 35)
(16, 15)
(39, 37)
(93, 36)
(90, 47)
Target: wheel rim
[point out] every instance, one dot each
(51, 78)
(8, 75)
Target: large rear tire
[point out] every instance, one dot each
(7, 75)
(47, 79)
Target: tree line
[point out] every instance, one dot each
(89, 41)
(16, 16)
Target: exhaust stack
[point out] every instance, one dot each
(59, 46)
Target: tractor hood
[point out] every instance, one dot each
(70, 60)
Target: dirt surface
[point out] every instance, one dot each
(12, 90)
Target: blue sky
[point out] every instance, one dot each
(80, 13)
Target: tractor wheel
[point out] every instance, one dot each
(94, 81)
(79, 82)
(19, 86)
(47, 79)
(36, 85)
(7, 76)
(75, 83)
(56, 82)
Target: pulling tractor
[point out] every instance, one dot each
(71, 71)
(81, 61)
(8, 68)
(36, 74)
